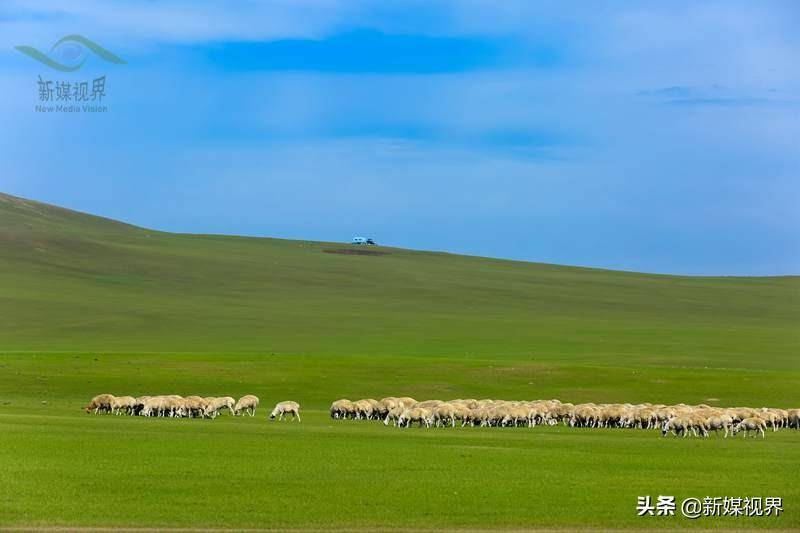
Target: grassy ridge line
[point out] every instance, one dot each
(76, 282)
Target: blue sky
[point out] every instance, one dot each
(660, 137)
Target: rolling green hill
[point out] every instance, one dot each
(89, 305)
(73, 281)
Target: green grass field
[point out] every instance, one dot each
(89, 305)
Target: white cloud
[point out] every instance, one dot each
(136, 24)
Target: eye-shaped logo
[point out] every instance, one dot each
(69, 53)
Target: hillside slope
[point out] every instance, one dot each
(72, 281)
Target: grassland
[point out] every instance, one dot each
(89, 305)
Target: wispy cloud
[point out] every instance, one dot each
(713, 96)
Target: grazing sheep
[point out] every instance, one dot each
(363, 409)
(753, 424)
(393, 415)
(773, 417)
(248, 404)
(195, 406)
(444, 415)
(215, 405)
(678, 425)
(287, 407)
(698, 424)
(174, 406)
(715, 423)
(341, 408)
(123, 403)
(139, 405)
(794, 418)
(378, 410)
(100, 404)
(416, 414)
(517, 416)
(154, 405)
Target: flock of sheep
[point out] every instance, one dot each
(680, 420)
(189, 406)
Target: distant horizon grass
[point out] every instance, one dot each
(91, 305)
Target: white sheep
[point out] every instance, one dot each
(416, 414)
(393, 415)
(215, 405)
(716, 423)
(341, 409)
(753, 424)
(195, 406)
(153, 405)
(123, 403)
(248, 404)
(287, 407)
(100, 404)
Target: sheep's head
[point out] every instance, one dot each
(273, 414)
